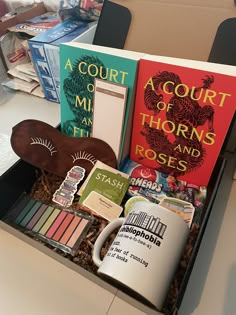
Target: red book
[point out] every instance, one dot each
(183, 111)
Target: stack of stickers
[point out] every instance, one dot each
(64, 196)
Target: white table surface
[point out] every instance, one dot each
(32, 283)
(15, 107)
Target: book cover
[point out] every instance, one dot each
(183, 111)
(80, 65)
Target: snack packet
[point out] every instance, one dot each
(184, 198)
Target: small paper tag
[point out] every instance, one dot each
(102, 206)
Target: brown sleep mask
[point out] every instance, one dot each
(45, 147)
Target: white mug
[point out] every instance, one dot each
(145, 252)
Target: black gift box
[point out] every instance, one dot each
(20, 178)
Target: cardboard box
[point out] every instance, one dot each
(27, 13)
(184, 28)
(44, 49)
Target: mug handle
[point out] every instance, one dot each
(102, 238)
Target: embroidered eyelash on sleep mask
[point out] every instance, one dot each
(45, 147)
